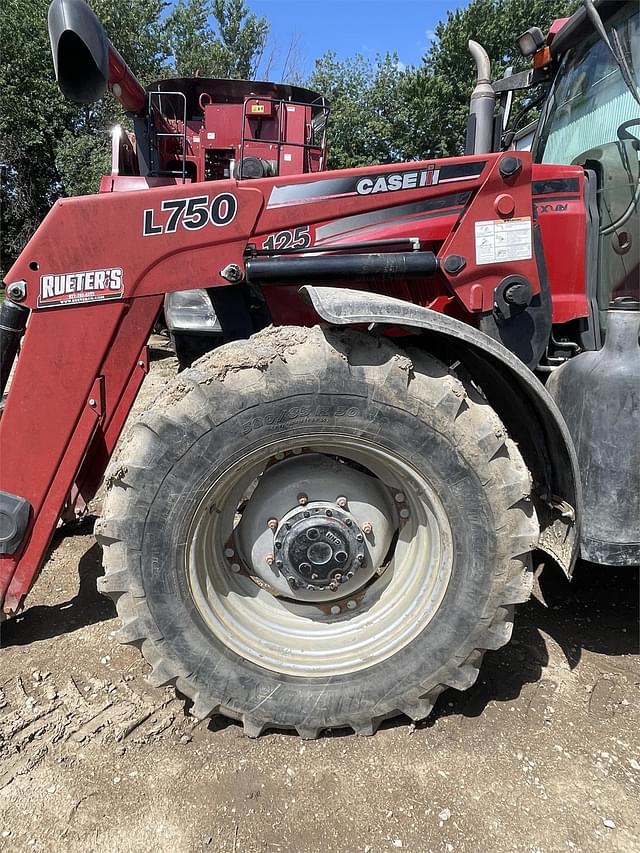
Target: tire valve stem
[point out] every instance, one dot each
(303, 500)
(341, 501)
(272, 524)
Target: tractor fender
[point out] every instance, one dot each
(520, 399)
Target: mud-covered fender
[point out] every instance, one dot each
(521, 400)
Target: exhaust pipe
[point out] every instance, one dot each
(482, 106)
(85, 61)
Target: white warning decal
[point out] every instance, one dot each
(499, 240)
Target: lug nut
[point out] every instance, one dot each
(328, 512)
(272, 524)
(404, 513)
(341, 501)
(351, 604)
(303, 500)
(269, 559)
(399, 497)
(335, 610)
(367, 528)
(235, 567)
(229, 552)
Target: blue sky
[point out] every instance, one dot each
(351, 26)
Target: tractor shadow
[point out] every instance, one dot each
(598, 611)
(45, 621)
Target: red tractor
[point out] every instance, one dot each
(431, 373)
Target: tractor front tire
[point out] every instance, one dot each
(315, 529)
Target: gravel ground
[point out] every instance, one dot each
(542, 754)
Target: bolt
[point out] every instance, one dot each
(269, 559)
(232, 273)
(329, 512)
(303, 500)
(351, 604)
(17, 291)
(279, 456)
(292, 582)
(287, 525)
(272, 524)
(399, 497)
(297, 451)
(141, 364)
(278, 544)
(510, 166)
(92, 402)
(404, 513)
(307, 514)
(454, 264)
(367, 528)
(341, 501)
(360, 537)
(347, 521)
(338, 577)
(229, 552)
(335, 610)
(279, 564)
(235, 567)
(360, 558)
(333, 586)
(349, 575)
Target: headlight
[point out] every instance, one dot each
(190, 311)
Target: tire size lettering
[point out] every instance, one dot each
(299, 238)
(296, 413)
(190, 213)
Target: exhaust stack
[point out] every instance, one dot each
(482, 106)
(85, 61)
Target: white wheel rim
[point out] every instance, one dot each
(298, 639)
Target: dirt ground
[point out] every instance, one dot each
(541, 755)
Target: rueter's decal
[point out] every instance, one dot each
(73, 288)
(190, 213)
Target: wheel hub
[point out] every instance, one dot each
(319, 547)
(314, 529)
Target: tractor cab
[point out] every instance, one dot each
(592, 119)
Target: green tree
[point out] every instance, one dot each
(233, 48)
(439, 90)
(368, 119)
(48, 146)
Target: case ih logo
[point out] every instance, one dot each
(76, 287)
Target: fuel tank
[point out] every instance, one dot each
(599, 395)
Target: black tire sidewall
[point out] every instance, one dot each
(240, 685)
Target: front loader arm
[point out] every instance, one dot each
(95, 273)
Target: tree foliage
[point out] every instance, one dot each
(233, 49)
(368, 117)
(50, 147)
(384, 112)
